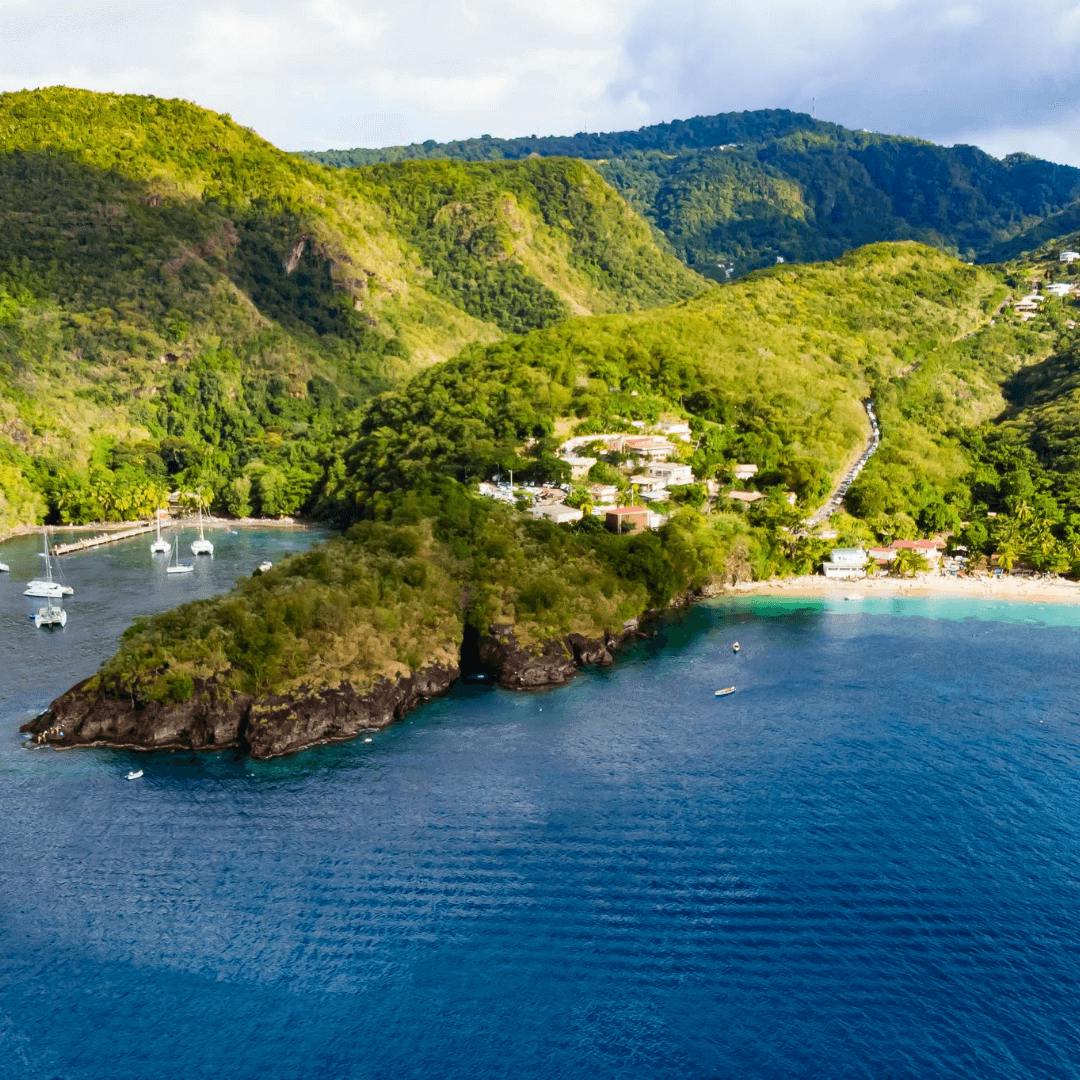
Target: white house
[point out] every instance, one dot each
(675, 429)
(558, 513)
(579, 465)
(604, 494)
(1069, 256)
(845, 563)
(649, 446)
(745, 472)
(1059, 288)
(671, 472)
(647, 484)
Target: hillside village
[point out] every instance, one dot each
(627, 479)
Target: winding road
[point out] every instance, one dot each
(836, 498)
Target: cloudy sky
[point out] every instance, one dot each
(321, 73)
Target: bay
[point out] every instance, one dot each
(863, 863)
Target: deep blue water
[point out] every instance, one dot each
(864, 863)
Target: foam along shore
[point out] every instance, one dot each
(1027, 590)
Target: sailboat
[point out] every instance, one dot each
(49, 615)
(176, 566)
(202, 546)
(46, 586)
(160, 546)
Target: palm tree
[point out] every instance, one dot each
(907, 563)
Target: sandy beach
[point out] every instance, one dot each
(1019, 589)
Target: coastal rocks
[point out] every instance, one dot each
(554, 663)
(265, 728)
(285, 724)
(85, 717)
(273, 725)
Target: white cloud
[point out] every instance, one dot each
(311, 73)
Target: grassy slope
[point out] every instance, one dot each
(781, 360)
(143, 237)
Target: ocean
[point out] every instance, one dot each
(864, 863)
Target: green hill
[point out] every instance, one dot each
(740, 190)
(184, 305)
(772, 370)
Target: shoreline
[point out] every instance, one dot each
(103, 527)
(924, 586)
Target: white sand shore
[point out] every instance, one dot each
(1019, 589)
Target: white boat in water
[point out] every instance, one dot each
(47, 586)
(49, 616)
(265, 566)
(4, 568)
(176, 566)
(724, 693)
(202, 546)
(160, 546)
(135, 774)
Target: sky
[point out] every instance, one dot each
(313, 74)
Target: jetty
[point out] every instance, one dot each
(103, 538)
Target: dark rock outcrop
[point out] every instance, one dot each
(269, 726)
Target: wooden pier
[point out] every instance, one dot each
(102, 538)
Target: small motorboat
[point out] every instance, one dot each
(265, 566)
(735, 647)
(4, 568)
(135, 774)
(724, 693)
(853, 596)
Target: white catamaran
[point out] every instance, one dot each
(50, 615)
(46, 586)
(176, 566)
(160, 546)
(202, 546)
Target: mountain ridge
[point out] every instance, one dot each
(737, 191)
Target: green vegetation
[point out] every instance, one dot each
(396, 593)
(741, 189)
(183, 306)
(770, 370)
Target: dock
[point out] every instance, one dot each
(102, 539)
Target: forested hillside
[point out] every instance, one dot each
(771, 370)
(740, 190)
(182, 305)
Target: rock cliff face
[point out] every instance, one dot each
(269, 726)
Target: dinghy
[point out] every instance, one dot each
(724, 693)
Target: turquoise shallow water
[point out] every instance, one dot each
(864, 863)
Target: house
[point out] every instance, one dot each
(627, 519)
(931, 550)
(745, 472)
(745, 496)
(845, 563)
(579, 466)
(646, 483)
(675, 429)
(1059, 288)
(558, 513)
(671, 472)
(1069, 256)
(603, 494)
(649, 446)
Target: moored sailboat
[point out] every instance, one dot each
(202, 546)
(47, 586)
(176, 566)
(160, 546)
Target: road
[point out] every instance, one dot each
(836, 498)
